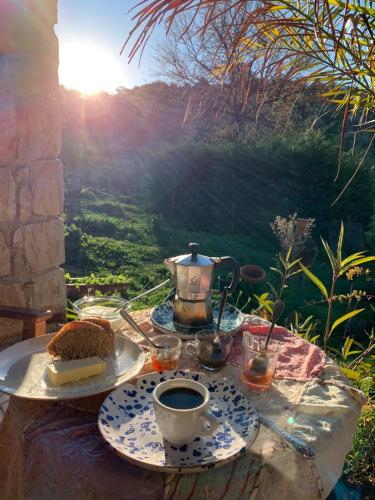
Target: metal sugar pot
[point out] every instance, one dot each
(193, 275)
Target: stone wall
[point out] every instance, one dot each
(31, 175)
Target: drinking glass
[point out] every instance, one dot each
(101, 307)
(211, 355)
(258, 364)
(166, 355)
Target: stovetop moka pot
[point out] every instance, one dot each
(193, 275)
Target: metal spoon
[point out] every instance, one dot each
(302, 448)
(278, 310)
(142, 295)
(260, 363)
(216, 343)
(149, 291)
(224, 295)
(136, 327)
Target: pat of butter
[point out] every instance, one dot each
(62, 372)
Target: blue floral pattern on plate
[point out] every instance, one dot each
(127, 422)
(162, 319)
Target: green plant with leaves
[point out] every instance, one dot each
(360, 463)
(304, 327)
(93, 279)
(339, 266)
(265, 305)
(361, 368)
(286, 269)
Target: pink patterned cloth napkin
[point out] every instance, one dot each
(298, 360)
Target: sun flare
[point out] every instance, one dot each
(89, 68)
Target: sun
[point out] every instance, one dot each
(89, 68)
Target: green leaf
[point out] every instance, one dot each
(307, 320)
(355, 263)
(288, 254)
(350, 373)
(263, 302)
(339, 244)
(295, 262)
(275, 270)
(346, 348)
(351, 353)
(315, 280)
(294, 272)
(345, 317)
(273, 289)
(330, 255)
(354, 256)
(314, 339)
(277, 7)
(285, 265)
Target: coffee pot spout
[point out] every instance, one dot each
(170, 263)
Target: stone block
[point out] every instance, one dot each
(12, 295)
(18, 253)
(24, 194)
(24, 200)
(8, 136)
(48, 9)
(38, 125)
(47, 291)
(24, 24)
(47, 187)
(8, 208)
(24, 73)
(43, 245)
(4, 256)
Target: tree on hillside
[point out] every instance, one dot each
(238, 99)
(331, 42)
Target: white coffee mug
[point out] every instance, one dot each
(183, 426)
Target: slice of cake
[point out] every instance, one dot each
(105, 324)
(82, 339)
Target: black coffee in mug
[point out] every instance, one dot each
(181, 398)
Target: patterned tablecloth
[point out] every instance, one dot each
(54, 450)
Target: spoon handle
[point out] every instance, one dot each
(224, 295)
(136, 327)
(302, 448)
(149, 291)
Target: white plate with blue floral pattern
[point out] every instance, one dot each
(127, 422)
(162, 319)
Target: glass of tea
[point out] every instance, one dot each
(166, 355)
(259, 364)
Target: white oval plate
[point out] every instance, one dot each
(23, 370)
(127, 422)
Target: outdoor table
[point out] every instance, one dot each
(54, 449)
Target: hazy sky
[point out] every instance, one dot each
(93, 32)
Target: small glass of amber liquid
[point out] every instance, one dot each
(258, 364)
(165, 356)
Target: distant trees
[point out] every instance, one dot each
(325, 41)
(223, 86)
(105, 126)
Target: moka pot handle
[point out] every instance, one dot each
(234, 265)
